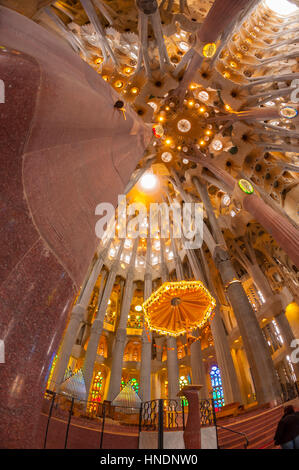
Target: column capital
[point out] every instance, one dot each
(121, 334)
(78, 312)
(220, 254)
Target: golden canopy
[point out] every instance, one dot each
(178, 307)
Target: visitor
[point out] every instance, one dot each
(287, 432)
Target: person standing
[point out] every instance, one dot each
(287, 432)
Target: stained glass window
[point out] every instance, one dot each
(133, 382)
(135, 320)
(122, 383)
(184, 380)
(52, 367)
(135, 385)
(217, 387)
(97, 389)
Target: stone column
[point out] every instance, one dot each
(97, 326)
(251, 265)
(89, 318)
(287, 336)
(203, 192)
(260, 280)
(255, 114)
(247, 389)
(146, 350)
(231, 388)
(177, 261)
(197, 366)
(172, 350)
(283, 232)
(225, 362)
(77, 316)
(257, 350)
(172, 368)
(229, 379)
(91, 279)
(121, 335)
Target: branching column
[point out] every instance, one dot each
(224, 359)
(197, 366)
(225, 363)
(253, 269)
(172, 350)
(257, 351)
(121, 335)
(196, 362)
(97, 326)
(146, 350)
(285, 234)
(77, 316)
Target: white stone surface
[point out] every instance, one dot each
(171, 440)
(209, 438)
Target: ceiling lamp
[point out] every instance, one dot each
(184, 125)
(184, 46)
(203, 95)
(166, 157)
(217, 145)
(178, 307)
(225, 200)
(118, 84)
(153, 105)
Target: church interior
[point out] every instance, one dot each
(199, 100)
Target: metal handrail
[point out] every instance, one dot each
(236, 432)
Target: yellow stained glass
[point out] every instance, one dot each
(209, 49)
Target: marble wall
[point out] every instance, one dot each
(64, 149)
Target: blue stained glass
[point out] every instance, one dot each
(217, 387)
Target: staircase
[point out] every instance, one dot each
(259, 426)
